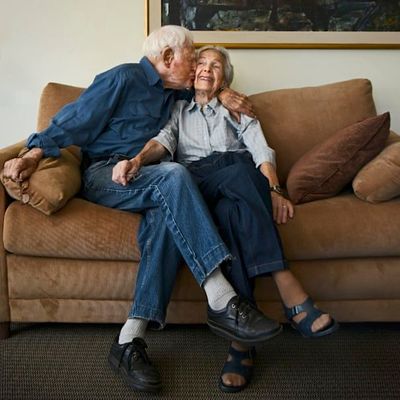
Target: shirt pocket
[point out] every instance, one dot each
(141, 109)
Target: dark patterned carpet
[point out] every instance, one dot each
(69, 361)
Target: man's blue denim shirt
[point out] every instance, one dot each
(117, 114)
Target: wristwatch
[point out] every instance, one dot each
(276, 189)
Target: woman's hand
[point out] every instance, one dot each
(282, 208)
(236, 103)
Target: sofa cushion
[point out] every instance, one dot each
(342, 227)
(325, 170)
(54, 182)
(337, 227)
(80, 230)
(379, 180)
(295, 120)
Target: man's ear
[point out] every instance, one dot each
(167, 56)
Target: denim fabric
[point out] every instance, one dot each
(176, 222)
(239, 198)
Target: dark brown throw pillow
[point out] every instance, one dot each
(328, 167)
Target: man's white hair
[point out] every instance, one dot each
(172, 36)
(228, 67)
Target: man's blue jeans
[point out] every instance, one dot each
(176, 222)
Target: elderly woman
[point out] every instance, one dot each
(235, 170)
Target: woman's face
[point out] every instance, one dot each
(209, 72)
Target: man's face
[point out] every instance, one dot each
(209, 72)
(183, 67)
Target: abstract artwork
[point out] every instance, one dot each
(283, 23)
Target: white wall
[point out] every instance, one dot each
(70, 41)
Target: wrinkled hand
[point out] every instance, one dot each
(19, 169)
(282, 208)
(126, 170)
(236, 103)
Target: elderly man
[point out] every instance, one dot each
(112, 120)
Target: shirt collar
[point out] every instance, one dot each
(213, 104)
(151, 73)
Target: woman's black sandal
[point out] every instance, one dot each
(304, 326)
(235, 366)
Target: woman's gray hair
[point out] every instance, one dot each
(228, 67)
(172, 36)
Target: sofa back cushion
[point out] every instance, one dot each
(295, 120)
(55, 96)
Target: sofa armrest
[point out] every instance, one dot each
(4, 308)
(5, 154)
(10, 152)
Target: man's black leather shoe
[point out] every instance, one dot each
(243, 322)
(131, 362)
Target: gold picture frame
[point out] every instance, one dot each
(280, 39)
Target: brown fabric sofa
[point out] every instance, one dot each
(80, 264)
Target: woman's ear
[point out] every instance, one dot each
(167, 56)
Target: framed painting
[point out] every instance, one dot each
(343, 24)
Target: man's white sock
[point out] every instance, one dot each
(218, 290)
(134, 327)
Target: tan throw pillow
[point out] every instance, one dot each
(328, 167)
(379, 180)
(54, 182)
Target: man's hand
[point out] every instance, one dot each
(126, 170)
(21, 168)
(282, 208)
(236, 103)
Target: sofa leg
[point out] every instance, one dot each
(4, 330)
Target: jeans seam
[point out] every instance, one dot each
(164, 204)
